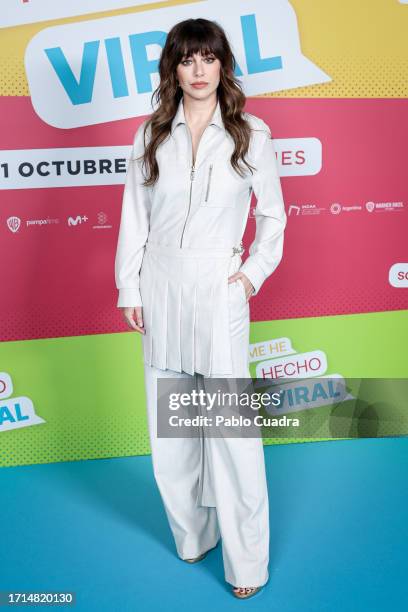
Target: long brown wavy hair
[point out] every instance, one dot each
(184, 39)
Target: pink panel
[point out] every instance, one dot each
(58, 280)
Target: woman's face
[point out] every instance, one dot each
(199, 69)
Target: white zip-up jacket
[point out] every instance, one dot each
(201, 206)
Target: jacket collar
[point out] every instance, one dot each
(180, 118)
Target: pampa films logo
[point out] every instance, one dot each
(14, 223)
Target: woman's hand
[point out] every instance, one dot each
(134, 318)
(249, 288)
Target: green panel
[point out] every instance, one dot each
(362, 346)
(90, 389)
(372, 345)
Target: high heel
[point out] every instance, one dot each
(200, 557)
(253, 591)
(196, 559)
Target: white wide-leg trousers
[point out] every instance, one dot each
(214, 487)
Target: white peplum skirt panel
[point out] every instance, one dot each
(187, 309)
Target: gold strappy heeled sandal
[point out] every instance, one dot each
(247, 592)
(200, 557)
(196, 559)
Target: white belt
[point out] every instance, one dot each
(176, 251)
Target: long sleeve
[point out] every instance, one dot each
(265, 252)
(134, 228)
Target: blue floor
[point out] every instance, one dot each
(339, 533)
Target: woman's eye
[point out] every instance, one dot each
(187, 62)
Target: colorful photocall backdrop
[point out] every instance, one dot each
(76, 81)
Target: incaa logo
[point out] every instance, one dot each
(106, 69)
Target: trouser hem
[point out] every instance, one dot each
(246, 583)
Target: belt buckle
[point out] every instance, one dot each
(239, 249)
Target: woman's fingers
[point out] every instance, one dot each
(134, 318)
(139, 316)
(248, 289)
(248, 286)
(234, 277)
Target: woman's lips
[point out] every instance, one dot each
(199, 85)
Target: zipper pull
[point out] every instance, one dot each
(192, 173)
(209, 182)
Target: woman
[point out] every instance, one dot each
(182, 284)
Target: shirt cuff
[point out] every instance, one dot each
(254, 273)
(129, 297)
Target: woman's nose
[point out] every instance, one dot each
(199, 70)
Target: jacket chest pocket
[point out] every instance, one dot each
(220, 189)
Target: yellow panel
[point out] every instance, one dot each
(361, 44)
